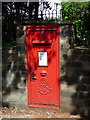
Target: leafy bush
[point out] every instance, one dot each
(79, 14)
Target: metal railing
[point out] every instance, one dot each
(40, 11)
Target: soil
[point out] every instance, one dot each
(34, 113)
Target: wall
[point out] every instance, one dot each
(75, 81)
(74, 73)
(14, 74)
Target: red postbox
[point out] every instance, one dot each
(42, 49)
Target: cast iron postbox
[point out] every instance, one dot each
(42, 49)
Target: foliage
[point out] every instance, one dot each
(79, 14)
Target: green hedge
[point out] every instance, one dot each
(79, 14)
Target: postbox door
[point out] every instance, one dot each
(43, 66)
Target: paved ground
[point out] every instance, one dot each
(34, 113)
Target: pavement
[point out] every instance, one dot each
(35, 113)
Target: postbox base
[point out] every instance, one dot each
(44, 106)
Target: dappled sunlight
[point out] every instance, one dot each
(13, 71)
(77, 74)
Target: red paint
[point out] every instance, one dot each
(43, 81)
